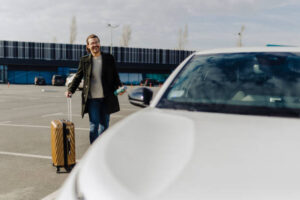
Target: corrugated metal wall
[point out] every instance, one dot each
(53, 51)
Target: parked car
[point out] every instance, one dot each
(225, 125)
(70, 79)
(58, 80)
(39, 80)
(149, 82)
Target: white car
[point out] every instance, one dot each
(224, 126)
(70, 79)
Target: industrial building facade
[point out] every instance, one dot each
(20, 61)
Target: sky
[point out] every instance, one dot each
(154, 23)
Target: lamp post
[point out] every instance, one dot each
(111, 29)
(240, 34)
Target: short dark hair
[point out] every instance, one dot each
(87, 41)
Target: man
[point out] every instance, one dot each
(101, 79)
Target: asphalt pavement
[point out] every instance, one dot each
(26, 111)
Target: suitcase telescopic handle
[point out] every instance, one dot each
(69, 146)
(69, 102)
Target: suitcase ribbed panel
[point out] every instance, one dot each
(57, 143)
(71, 138)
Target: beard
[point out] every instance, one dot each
(95, 49)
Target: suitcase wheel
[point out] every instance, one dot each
(69, 168)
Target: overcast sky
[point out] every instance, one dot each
(154, 23)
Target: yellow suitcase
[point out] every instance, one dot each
(63, 143)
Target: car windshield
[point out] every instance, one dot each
(243, 83)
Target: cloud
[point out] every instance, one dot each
(154, 24)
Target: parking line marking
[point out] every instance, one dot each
(37, 126)
(60, 114)
(27, 155)
(125, 104)
(24, 125)
(34, 106)
(117, 116)
(51, 196)
(24, 155)
(53, 114)
(5, 122)
(130, 109)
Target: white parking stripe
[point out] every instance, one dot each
(51, 196)
(125, 104)
(116, 116)
(74, 115)
(24, 125)
(27, 155)
(131, 109)
(33, 106)
(24, 155)
(5, 122)
(60, 114)
(37, 126)
(53, 114)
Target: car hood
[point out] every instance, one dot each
(165, 154)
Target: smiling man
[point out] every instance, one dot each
(100, 81)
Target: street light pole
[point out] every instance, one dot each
(111, 28)
(240, 34)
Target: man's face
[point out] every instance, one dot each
(94, 45)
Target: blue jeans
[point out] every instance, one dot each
(99, 119)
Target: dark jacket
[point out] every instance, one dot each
(110, 81)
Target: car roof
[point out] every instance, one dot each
(249, 50)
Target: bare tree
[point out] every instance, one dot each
(54, 39)
(183, 38)
(126, 36)
(73, 30)
(180, 42)
(185, 35)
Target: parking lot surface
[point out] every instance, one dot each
(26, 169)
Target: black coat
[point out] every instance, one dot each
(110, 81)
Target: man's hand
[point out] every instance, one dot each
(122, 93)
(68, 94)
(124, 90)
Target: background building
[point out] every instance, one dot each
(21, 62)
